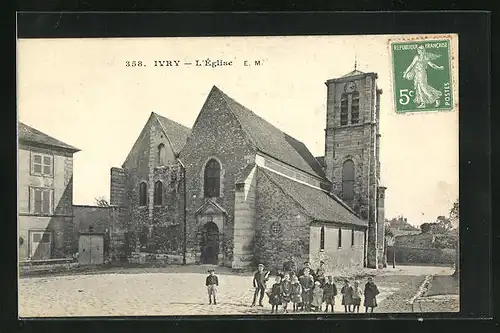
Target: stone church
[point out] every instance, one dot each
(234, 190)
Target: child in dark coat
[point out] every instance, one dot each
(371, 292)
(296, 293)
(286, 291)
(275, 295)
(212, 282)
(329, 293)
(346, 296)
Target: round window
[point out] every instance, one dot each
(276, 228)
(21, 241)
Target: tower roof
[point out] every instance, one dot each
(353, 73)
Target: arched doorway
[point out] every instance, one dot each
(210, 244)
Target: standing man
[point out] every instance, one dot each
(320, 274)
(259, 283)
(308, 267)
(289, 266)
(307, 283)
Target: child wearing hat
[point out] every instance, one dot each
(296, 293)
(259, 283)
(317, 296)
(356, 296)
(275, 295)
(371, 292)
(346, 292)
(212, 282)
(329, 293)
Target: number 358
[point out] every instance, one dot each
(404, 96)
(133, 63)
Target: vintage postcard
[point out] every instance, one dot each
(238, 175)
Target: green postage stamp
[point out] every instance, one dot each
(422, 75)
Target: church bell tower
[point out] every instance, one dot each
(352, 146)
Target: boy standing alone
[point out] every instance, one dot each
(259, 283)
(212, 282)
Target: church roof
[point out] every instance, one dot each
(270, 140)
(321, 160)
(31, 135)
(176, 133)
(317, 203)
(353, 73)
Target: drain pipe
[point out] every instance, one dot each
(185, 210)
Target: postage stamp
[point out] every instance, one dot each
(422, 75)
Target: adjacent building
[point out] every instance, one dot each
(45, 195)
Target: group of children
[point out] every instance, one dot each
(306, 292)
(303, 293)
(351, 296)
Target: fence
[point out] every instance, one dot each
(415, 255)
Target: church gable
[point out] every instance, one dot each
(139, 153)
(159, 136)
(210, 207)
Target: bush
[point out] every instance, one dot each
(412, 255)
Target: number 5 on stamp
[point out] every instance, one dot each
(422, 75)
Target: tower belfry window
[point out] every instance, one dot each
(348, 181)
(355, 108)
(343, 109)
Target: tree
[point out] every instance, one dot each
(455, 222)
(425, 227)
(101, 202)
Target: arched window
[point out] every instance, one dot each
(160, 156)
(355, 108)
(343, 109)
(158, 193)
(322, 239)
(340, 238)
(212, 179)
(348, 181)
(143, 194)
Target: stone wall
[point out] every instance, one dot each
(216, 134)
(147, 226)
(108, 220)
(244, 221)
(348, 255)
(117, 195)
(282, 226)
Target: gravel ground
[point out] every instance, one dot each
(443, 285)
(138, 292)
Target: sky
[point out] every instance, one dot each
(81, 92)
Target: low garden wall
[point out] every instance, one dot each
(415, 255)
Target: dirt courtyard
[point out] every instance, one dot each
(163, 292)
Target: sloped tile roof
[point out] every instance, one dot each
(176, 133)
(243, 174)
(316, 203)
(270, 140)
(31, 135)
(321, 160)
